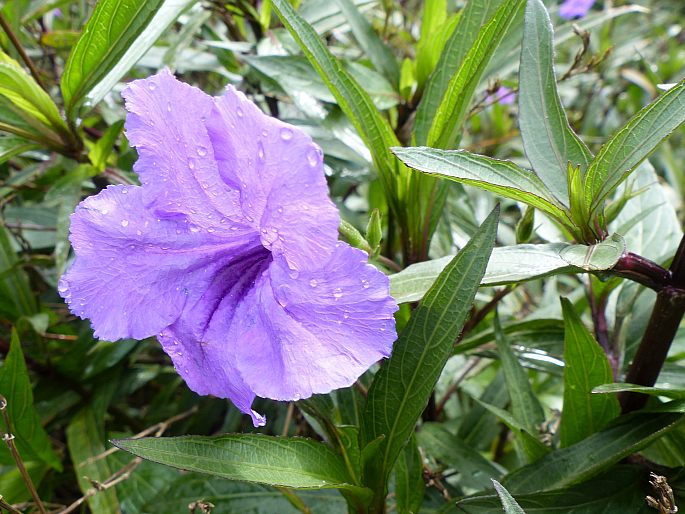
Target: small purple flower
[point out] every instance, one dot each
(503, 96)
(228, 253)
(575, 8)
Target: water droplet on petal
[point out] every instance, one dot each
(201, 151)
(139, 233)
(286, 134)
(260, 151)
(191, 163)
(168, 106)
(62, 287)
(104, 211)
(124, 191)
(124, 223)
(313, 157)
(365, 283)
(210, 230)
(152, 86)
(194, 228)
(313, 282)
(280, 210)
(337, 293)
(239, 112)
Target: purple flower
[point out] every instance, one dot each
(503, 96)
(575, 8)
(228, 253)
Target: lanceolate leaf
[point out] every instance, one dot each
(667, 390)
(14, 284)
(471, 19)
(118, 33)
(516, 263)
(585, 366)
(449, 117)
(290, 462)
(508, 501)
(632, 144)
(591, 456)
(548, 140)
(501, 177)
(403, 385)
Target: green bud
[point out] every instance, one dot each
(353, 237)
(374, 232)
(524, 228)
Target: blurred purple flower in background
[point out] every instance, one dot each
(575, 8)
(503, 96)
(228, 253)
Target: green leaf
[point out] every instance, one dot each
(667, 390)
(11, 146)
(103, 147)
(532, 448)
(36, 106)
(14, 283)
(632, 144)
(585, 366)
(648, 220)
(620, 490)
(513, 264)
(352, 98)
(86, 440)
(501, 177)
(15, 385)
(409, 483)
(117, 34)
(525, 406)
(475, 471)
(508, 502)
(471, 19)
(430, 47)
(374, 47)
(592, 455)
(445, 129)
(403, 385)
(549, 142)
(288, 462)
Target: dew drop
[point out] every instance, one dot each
(191, 163)
(139, 233)
(337, 293)
(104, 211)
(62, 287)
(223, 220)
(178, 230)
(280, 210)
(124, 223)
(201, 151)
(313, 157)
(152, 86)
(168, 106)
(210, 230)
(239, 112)
(365, 283)
(234, 228)
(286, 134)
(194, 228)
(260, 151)
(124, 191)
(346, 315)
(313, 282)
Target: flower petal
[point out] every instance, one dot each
(134, 273)
(198, 344)
(175, 155)
(279, 171)
(317, 332)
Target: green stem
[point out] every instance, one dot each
(24, 56)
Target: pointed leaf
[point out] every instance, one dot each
(585, 366)
(288, 462)
(445, 129)
(402, 387)
(409, 483)
(632, 144)
(592, 455)
(549, 142)
(474, 15)
(512, 264)
(667, 390)
(117, 34)
(508, 502)
(501, 177)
